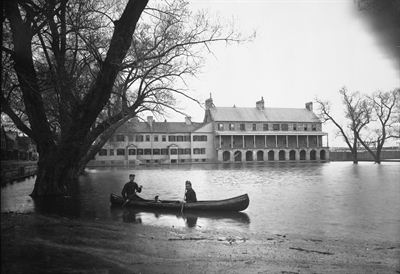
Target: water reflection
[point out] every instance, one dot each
(134, 215)
(61, 206)
(131, 216)
(332, 199)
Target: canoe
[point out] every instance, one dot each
(238, 203)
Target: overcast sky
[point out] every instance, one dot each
(302, 50)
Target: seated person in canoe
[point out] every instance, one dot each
(130, 189)
(190, 194)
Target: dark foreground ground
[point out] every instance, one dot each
(32, 243)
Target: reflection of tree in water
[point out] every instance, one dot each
(191, 221)
(130, 216)
(64, 206)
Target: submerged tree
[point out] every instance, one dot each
(74, 71)
(358, 115)
(386, 122)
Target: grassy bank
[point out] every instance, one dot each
(32, 243)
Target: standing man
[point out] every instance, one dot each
(190, 195)
(130, 189)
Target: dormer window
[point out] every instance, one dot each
(120, 138)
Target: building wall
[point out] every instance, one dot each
(209, 145)
(364, 155)
(255, 141)
(225, 141)
(162, 148)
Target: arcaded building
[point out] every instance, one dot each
(227, 134)
(259, 133)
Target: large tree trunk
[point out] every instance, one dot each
(354, 156)
(378, 155)
(58, 172)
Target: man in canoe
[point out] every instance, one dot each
(130, 189)
(190, 195)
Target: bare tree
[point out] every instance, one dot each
(386, 116)
(357, 113)
(163, 53)
(79, 69)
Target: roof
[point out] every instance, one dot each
(238, 114)
(161, 127)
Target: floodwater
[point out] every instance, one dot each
(336, 199)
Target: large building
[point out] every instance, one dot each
(266, 134)
(158, 143)
(227, 134)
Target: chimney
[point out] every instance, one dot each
(309, 106)
(260, 104)
(134, 120)
(209, 103)
(188, 120)
(150, 121)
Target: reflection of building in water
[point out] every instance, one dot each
(227, 134)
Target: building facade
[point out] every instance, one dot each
(227, 134)
(267, 134)
(158, 143)
(15, 147)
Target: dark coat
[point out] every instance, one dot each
(130, 189)
(190, 196)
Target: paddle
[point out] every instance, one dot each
(183, 201)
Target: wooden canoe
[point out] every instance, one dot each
(238, 203)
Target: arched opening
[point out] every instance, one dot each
(260, 155)
(249, 155)
(302, 155)
(271, 155)
(292, 155)
(313, 155)
(238, 156)
(226, 156)
(322, 155)
(281, 155)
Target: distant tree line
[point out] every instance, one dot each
(370, 120)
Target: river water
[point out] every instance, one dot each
(336, 199)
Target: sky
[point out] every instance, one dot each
(302, 50)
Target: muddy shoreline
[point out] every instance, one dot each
(34, 243)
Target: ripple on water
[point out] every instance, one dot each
(333, 199)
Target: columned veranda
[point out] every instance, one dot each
(272, 147)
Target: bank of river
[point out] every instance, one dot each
(17, 170)
(34, 243)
